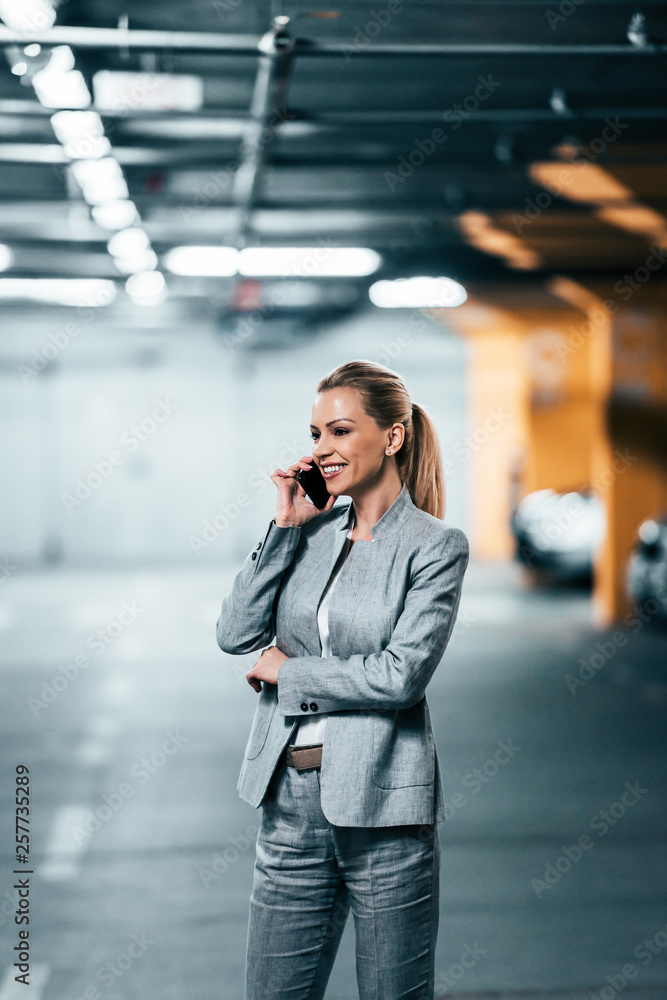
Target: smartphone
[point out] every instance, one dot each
(315, 485)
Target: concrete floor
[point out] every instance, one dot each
(151, 900)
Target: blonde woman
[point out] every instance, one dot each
(361, 599)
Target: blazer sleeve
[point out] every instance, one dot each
(247, 618)
(397, 677)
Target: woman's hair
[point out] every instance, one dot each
(385, 399)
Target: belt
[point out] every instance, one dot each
(303, 757)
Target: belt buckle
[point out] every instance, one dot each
(306, 757)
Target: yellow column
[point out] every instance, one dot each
(628, 361)
(495, 449)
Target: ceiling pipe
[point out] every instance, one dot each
(139, 40)
(336, 119)
(267, 110)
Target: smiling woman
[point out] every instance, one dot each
(341, 755)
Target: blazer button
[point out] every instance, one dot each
(313, 705)
(304, 706)
(254, 555)
(259, 546)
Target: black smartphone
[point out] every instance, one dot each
(315, 485)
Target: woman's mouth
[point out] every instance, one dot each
(330, 471)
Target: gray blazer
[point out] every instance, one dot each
(391, 615)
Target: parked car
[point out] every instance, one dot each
(646, 570)
(559, 532)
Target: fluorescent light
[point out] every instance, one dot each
(634, 218)
(59, 85)
(6, 257)
(115, 214)
(27, 15)
(146, 260)
(129, 241)
(417, 293)
(308, 261)
(480, 232)
(100, 180)
(582, 182)
(152, 91)
(91, 292)
(81, 133)
(147, 287)
(212, 262)
(216, 261)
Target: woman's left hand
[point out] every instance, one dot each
(266, 668)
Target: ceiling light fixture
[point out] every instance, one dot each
(100, 180)
(417, 293)
(27, 15)
(146, 288)
(582, 182)
(6, 257)
(128, 242)
(480, 232)
(342, 262)
(59, 84)
(88, 292)
(211, 262)
(634, 218)
(81, 134)
(277, 262)
(116, 214)
(145, 260)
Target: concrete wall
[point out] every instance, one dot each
(212, 424)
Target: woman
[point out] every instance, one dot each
(361, 599)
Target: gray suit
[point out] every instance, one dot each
(391, 615)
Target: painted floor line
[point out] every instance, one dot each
(37, 979)
(65, 850)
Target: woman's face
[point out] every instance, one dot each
(344, 435)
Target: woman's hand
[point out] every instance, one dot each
(294, 508)
(266, 668)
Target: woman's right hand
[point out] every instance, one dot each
(293, 507)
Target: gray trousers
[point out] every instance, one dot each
(308, 875)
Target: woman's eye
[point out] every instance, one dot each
(343, 430)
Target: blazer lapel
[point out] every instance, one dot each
(340, 534)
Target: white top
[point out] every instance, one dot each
(311, 730)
